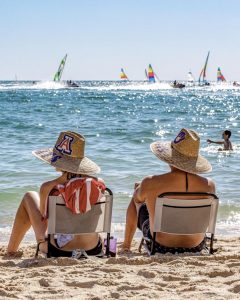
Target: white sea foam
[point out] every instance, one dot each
(39, 85)
(215, 149)
(133, 86)
(48, 85)
(230, 226)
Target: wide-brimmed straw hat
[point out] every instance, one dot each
(68, 155)
(183, 152)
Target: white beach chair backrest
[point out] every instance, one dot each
(62, 220)
(182, 216)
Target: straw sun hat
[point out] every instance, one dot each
(68, 155)
(183, 152)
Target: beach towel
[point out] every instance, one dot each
(80, 194)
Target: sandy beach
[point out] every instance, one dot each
(133, 275)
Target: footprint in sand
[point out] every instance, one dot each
(235, 289)
(115, 295)
(86, 284)
(221, 273)
(5, 294)
(175, 278)
(147, 274)
(234, 264)
(131, 287)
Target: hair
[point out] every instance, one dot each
(73, 175)
(228, 133)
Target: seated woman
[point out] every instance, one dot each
(182, 155)
(68, 157)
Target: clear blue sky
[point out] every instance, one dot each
(101, 36)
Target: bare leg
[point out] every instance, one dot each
(131, 225)
(28, 215)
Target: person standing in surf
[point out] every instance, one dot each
(227, 145)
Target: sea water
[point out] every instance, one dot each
(119, 121)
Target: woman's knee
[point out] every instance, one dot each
(30, 197)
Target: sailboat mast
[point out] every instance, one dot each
(146, 74)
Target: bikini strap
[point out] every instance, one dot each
(186, 182)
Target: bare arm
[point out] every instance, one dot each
(211, 185)
(46, 188)
(215, 142)
(131, 217)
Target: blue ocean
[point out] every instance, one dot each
(119, 121)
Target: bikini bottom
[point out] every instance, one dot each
(144, 226)
(56, 252)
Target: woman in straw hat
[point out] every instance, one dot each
(68, 157)
(182, 155)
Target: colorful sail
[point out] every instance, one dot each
(203, 72)
(151, 75)
(220, 76)
(190, 77)
(123, 75)
(58, 75)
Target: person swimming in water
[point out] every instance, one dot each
(227, 145)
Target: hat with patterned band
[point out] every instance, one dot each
(68, 155)
(183, 152)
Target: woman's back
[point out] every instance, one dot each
(176, 181)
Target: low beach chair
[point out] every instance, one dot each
(183, 217)
(97, 220)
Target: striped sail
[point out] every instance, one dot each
(58, 74)
(220, 76)
(123, 75)
(151, 75)
(203, 72)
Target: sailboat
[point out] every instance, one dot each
(220, 77)
(202, 77)
(123, 75)
(151, 75)
(58, 74)
(190, 79)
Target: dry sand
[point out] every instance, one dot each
(128, 276)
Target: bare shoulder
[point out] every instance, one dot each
(100, 180)
(44, 185)
(211, 185)
(150, 182)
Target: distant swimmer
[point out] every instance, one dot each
(227, 145)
